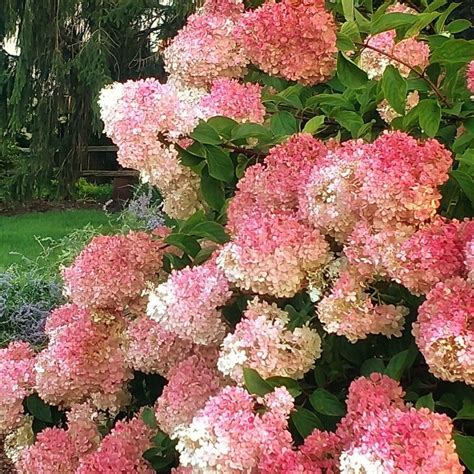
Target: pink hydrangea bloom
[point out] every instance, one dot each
(400, 179)
(349, 311)
(54, 452)
(227, 435)
(153, 350)
(188, 303)
(470, 77)
(330, 201)
(274, 34)
(276, 184)
(273, 254)
(432, 254)
(444, 331)
(16, 383)
(121, 451)
(262, 342)
(206, 49)
(191, 383)
(83, 359)
(230, 98)
(112, 271)
(380, 434)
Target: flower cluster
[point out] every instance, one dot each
(120, 452)
(288, 165)
(190, 384)
(272, 254)
(111, 272)
(383, 50)
(188, 303)
(274, 34)
(381, 434)
(241, 102)
(263, 342)
(84, 359)
(58, 451)
(444, 330)
(227, 435)
(207, 49)
(17, 382)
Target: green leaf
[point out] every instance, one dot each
(372, 365)
(429, 116)
(219, 164)
(212, 191)
(348, 9)
(466, 182)
(344, 42)
(457, 26)
(306, 421)
(400, 362)
(426, 402)
(211, 230)
(439, 26)
(334, 100)
(326, 403)
(467, 411)
(394, 88)
(249, 130)
(283, 123)
(351, 121)
(192, 221)
(314, 124)
(349, 73)
(204, 133)
(148, 417)
(453, 51)
(242, 163)
(291, 384)
(391, 21)
(223, 125)
(39, 409)
(184, 242)
(255, 384)
(423, 20)
(351, 30)
(465, 449)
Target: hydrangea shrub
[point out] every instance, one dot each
(305, 304)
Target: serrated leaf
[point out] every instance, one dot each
(212, 191)
(349, 73)
(249, 130)
(453, 51)
(372, 365)
(400, 362)
(465, 449)
(467, 411)
(148, 417)
(344, 43)
(204, 133)
(351, 121)
(314, 124)
(283, 123)
(39, 409)
(348, 9)
(391, 21)
(184, 242)
(426, 402)
(394, 88)
(424, 19)
(211, 230)
(466, 182)
(219, 163)
(256, 384)
(326, 403)
(429, 116)
(223, 125)
(306, 421)
(291, 385)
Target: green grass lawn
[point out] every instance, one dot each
(19, 233)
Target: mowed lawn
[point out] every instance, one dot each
(18, 234)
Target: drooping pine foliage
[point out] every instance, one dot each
(69, 51)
